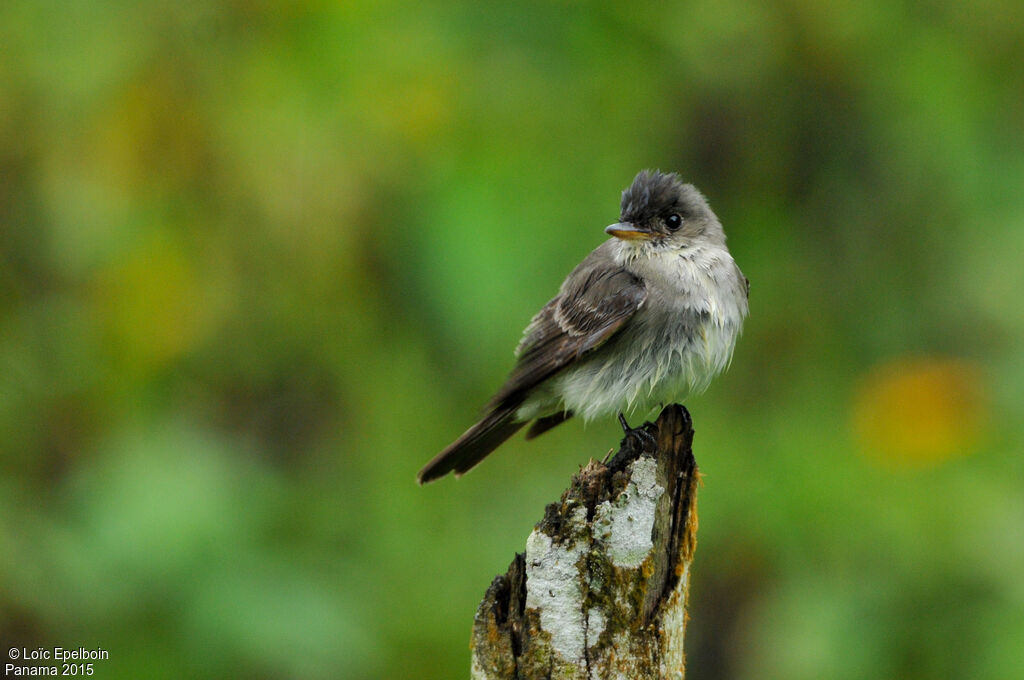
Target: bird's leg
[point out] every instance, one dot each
(643, 433)
(637, 441)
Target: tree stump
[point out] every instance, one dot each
(601, 590)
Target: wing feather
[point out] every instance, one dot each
(595, 301)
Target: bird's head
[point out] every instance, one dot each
(660, 211)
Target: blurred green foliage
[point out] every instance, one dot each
(260, 260)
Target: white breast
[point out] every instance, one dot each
(681, 337)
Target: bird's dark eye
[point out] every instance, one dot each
(673, 222)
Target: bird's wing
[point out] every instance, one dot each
(596, 299)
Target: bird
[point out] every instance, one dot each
(649, 317)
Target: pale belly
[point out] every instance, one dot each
(671, 348)
(655, 360)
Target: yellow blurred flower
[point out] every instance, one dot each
(916, 411)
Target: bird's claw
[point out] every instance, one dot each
(637, 440)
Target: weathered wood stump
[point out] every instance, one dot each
(601, 590)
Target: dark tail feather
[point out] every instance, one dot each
(473, 446)
(542, 425)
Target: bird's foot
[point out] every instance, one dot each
(640, 437)
(637, 440)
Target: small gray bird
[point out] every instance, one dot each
(649, 317)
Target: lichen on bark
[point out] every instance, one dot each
(601, 590)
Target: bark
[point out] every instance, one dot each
(601, 590)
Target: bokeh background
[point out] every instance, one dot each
(261, 260)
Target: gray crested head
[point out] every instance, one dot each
(652, 193)
(660, 210)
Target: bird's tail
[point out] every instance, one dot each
(473, 446)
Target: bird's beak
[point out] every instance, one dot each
(628, 232)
